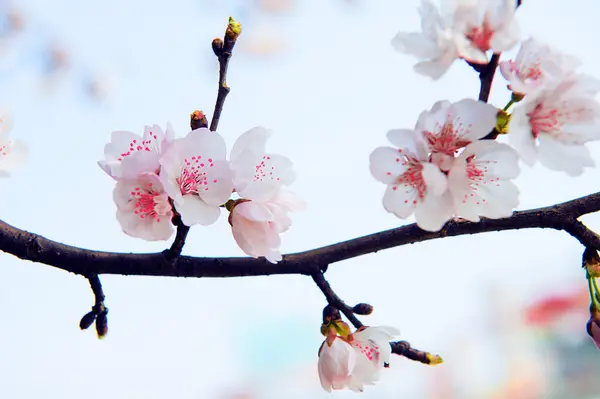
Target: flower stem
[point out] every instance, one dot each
(510, 103)
(592, 287)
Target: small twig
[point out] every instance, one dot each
(334, 300)
(403, 348)
(223, 50)
(99, 310)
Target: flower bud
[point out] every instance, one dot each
(101, 324)
(198, 120)
(217, 46)
(516, 97)
(591, 262)
(87, 320)
(363, 309)
(234, 29)
(502, 122)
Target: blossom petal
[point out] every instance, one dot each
(476, 117)
(433, 213)
(571, 159)
(194, 210)
(400, 200)
(218, 184)
(416, 44)
(386, 164)
(254, 211)
(521, 137)
(254, 140)
(434, 178)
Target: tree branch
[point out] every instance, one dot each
(99, 310)
(35, 248)
(333, 299)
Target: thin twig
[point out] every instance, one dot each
(403, 348)
(99, 311)
(333, 299)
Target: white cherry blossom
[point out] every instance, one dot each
(461, 29)
(535, 64)
(414, 184)
(128, 154)
(480, 181)
(197, 176)
(256, 225)
(258, 175)
(554, 125)
(143, 207)
(484, 25)
(449, 127)
(13, 153)
(435, 45)
(356, 361)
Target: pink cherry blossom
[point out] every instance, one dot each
(555, 123)
(449, 127)
(480, 181)
(535, 64)
(414, 184)
(127, 155)
(197, 176)
(337, 360)
(13, 153)
(143, 207)
(256, 225)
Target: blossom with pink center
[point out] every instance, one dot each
(449, 127)
(555, 123)
(535, 64)
(197, 176)
(143, 207)
(484, 25)
(256, 225)
(480, 181)
(357, 361)
(435, 45)
(414, 184)
(127, 155)
(13, 153)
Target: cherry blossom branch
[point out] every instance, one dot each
(333, 299)
(35, 248)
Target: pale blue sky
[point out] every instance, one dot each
(330, 96)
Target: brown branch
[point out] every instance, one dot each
(35, 248)
(403, 348)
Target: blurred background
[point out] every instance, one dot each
(506, 311)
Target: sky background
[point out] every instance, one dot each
(323, 76)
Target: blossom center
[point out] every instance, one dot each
(412, 179)
(372, 352)
(265, 170)
(477, 174)
(149, 203)
(151, 144)
(449, 137)
(544, 120)
(193, 178)
(481, 36)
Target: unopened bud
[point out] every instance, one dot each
(502, 122)
(101, 324)
(516, 97)
(217, 46)
(434, 360)
(198, 120)
(591, 262)
(87, 320)
(363, 309)
(234, 29)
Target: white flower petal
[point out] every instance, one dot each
(433, 213)
(386, 164)
(195, 211)
(434, 178)
(571, 159)
(400, 200)
(254, 140)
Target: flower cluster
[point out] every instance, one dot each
(354, 360)
(12, 152)
(159, 176)
(449, 165)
